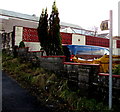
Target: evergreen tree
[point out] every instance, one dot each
(43, 30)
(54, 32)
(50, 41)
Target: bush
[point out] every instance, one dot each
(21, 44)
(116, 70)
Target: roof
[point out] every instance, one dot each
(70, 25)
(103, 35)
(18, 15)
(31, 17)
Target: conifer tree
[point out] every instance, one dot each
(43, 30)
(50, 39)
(54, 32)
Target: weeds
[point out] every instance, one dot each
(116, 70)
(49, 88)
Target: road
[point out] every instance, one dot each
(17, 99)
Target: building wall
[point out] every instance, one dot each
(7, 24)
(33, 46)
(118, 43)
(67, 38)
(18, 35)
(119, 18)
(97, 41)
(78, 39)
(30, 37)
(115, 51)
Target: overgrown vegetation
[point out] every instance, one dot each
(49, 88)
(116, 70)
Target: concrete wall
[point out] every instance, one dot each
(85, 77)
(52, 63)
(83, 71)
(18, 35)
(78, 39)
(33, 46)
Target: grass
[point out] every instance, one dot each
(49, 88)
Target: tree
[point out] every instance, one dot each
(54, 32)
(50, 39)
(43, 30)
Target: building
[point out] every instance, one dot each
(24, 28)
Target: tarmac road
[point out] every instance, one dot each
(17, 99)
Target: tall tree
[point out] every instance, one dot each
(43, 30)
(50, 39)
(54, 32)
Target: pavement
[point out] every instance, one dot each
(17, 99)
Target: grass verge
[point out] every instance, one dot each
(50, 89)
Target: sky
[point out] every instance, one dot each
(86, 13)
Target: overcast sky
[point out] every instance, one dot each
(85, 13)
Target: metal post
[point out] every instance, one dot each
(110, 62)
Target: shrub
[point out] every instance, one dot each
(116, 70)
(21, 44)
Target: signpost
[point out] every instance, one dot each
(110, 61)
(104, 26)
